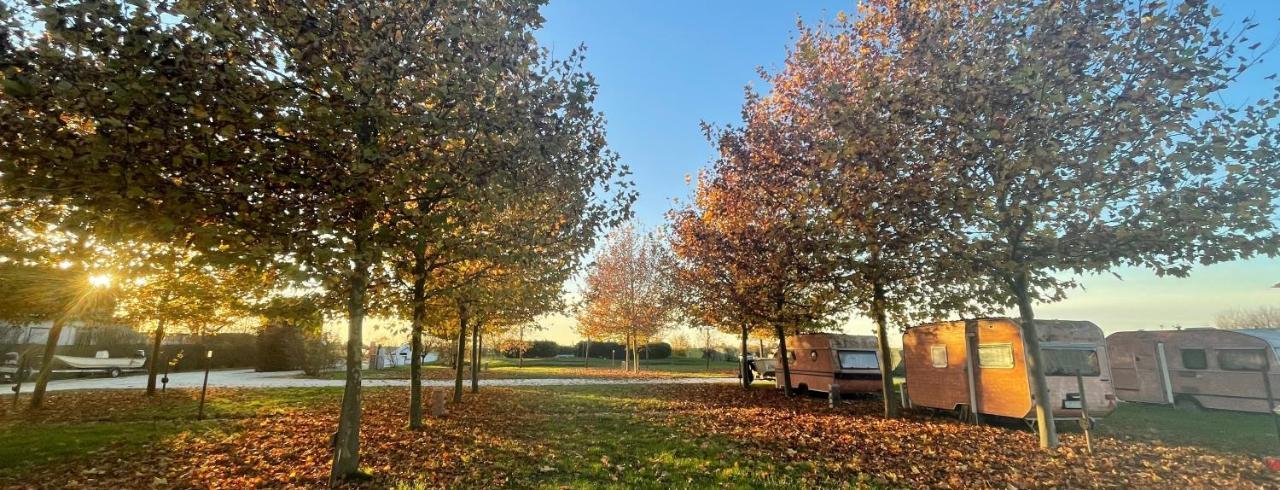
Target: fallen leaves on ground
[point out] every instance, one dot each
(483, 441)
(920, 451)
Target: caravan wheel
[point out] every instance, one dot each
(1187, 404)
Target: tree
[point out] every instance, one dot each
(51, 272)
(171, 287)
(1094, 134)
(1260, 317)
(298, 135)
(848, 117)
(679, 343)
(630, 292)
(757, 253)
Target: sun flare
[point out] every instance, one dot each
(100, 280)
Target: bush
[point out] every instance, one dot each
(657, 350)
(281, 347)
(602, 350)
(320, 352)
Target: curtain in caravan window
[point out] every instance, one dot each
(858, 359)
(1242, 359)
(995, 356)
(938, 354)
(1068, 362)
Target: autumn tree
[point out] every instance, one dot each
(630, 292)
(707, 294)
(298, 136)
(1093, 134)
(846, 109)
(51, 272)
(171, 287)
(760, 251)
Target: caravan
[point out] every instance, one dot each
(1197, 368)
(821, 360)
(979, 366)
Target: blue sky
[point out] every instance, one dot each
(665, 66)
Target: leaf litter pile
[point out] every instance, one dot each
(504, 437)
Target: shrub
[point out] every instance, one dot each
(657, 350)
(320, 352)
(281, 347)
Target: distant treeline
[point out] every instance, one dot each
(603, 350)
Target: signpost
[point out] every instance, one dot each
(208, 359)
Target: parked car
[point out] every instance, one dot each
(818, 361)
(979, 366)
(1197, 368)
(10, 369)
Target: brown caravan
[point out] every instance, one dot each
(1200, 367)
(820, 360)
(978, 366)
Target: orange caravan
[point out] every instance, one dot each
(1199, 367)
(979, 366)
(819, 360)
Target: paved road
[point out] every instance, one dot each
(247, 378)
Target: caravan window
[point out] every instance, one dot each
(1194, 359)
(938, 355)
(995, 355)
(1068, 362)
(1242, 359)
(858, 359)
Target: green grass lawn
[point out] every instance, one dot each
(1215, 429)
(597, 440)
(559, 368)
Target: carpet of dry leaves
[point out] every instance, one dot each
(920, 451)
(286, 445)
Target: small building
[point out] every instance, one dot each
(818, 361)
(979, 366)
(1199, 367)
(12, 334)
(389, 357)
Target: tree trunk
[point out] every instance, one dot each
(786, 364)
(475, 358)
(706, 350)
(153, 363)
(1035, 370)
(635, 351)
(520, 347)
(626, 353)
(462, 352)
(586, 355)
(46, 363)
(346, 450)
(886, 357)
(415, 337)
(746, 368)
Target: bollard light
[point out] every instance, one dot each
(208, 356)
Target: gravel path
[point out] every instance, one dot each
(247, 378)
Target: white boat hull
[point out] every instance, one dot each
(102, 363)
